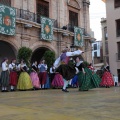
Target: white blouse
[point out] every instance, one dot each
(12, 65)
(4, 66)
(39, 66)
(75, 53)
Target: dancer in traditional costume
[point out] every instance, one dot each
(13, 75)
(5, 75)
(34, 76)
(65, 69)
(43, 73)
(24, 81)
(86, 80)
(107, 79)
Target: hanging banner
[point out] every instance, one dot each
(78, 36)
(7, 20)
(46, 28)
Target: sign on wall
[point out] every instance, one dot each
(46, 28)
(7, 20)
(78, 36)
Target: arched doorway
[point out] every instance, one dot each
(38, 54)
(7, 50)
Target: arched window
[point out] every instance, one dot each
(5, 2)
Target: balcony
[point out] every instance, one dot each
(118, 56)
(30, 16)
(71, 28)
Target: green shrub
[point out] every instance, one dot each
(49, 57)
(25, 54)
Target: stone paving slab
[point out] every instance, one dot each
(96, 104)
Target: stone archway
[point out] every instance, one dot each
(38, 54)
(7, 50)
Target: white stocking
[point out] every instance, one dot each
(65, 84)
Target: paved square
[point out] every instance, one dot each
(96, 104)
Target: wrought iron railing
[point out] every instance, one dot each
(71, 28)
(118, 56)
(27, 15)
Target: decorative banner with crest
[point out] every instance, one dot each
(7, 20)
(78, 36)
(46, 28)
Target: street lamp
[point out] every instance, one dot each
(72, 47)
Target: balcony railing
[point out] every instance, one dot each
(27, 15)
(71, 28)
(118, 56)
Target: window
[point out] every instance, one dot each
(95, 46)
(105, 33)
(95, 54)
(73, 20)
(118, 46)
(118, 28)
(106, 48)
(43, 8)
(117, 3)
(6, 2)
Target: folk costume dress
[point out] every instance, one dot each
(107, 79)
(42, 74)
(34, 77)
(24, 81)
(4, 76)
(13, 75)
(65, 69)
(85, 80)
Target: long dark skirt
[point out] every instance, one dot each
(88, 81)
(67, 71)
(4, 78)
(13, 78)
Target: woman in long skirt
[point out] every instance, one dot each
(107, 79)
(13, 75)
(5, 75)
(43, 73)
(24, 81)
(34, 76)
(86, 80)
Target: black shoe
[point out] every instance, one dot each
(6, 91)
(2, 90)
(65, 90)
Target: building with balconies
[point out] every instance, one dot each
(65, 15)
(105, 41)
(113, 30)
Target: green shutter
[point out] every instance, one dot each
(7, 20)
(78, 36)
(46, 28)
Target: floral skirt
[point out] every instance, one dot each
(35, 79)
(107, 79)
(88, 81)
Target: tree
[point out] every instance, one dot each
(49, 57)
(25, 54)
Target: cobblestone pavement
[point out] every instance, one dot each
(96, 104)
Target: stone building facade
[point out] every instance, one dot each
(65, 13)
